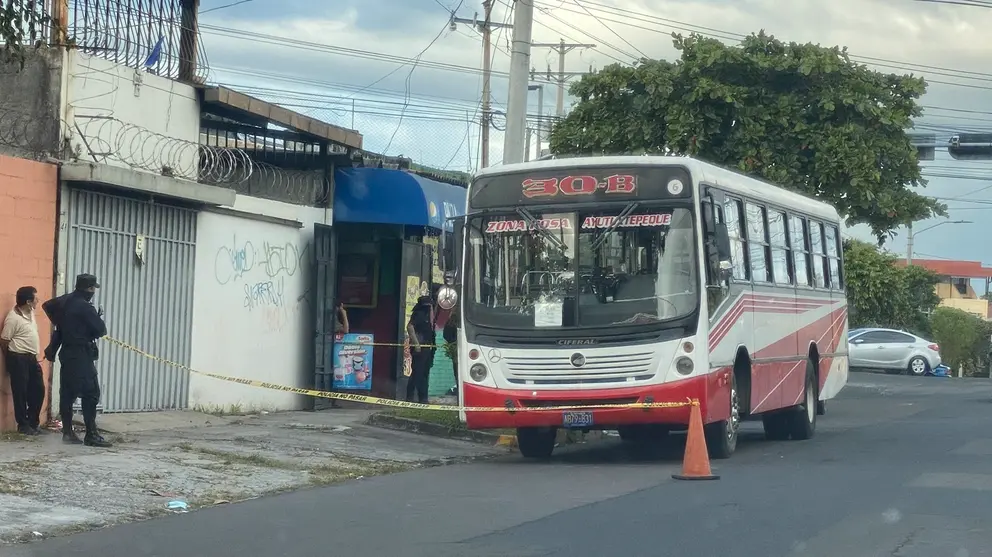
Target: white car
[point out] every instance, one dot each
(891, 350)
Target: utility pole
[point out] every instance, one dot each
(540, 115)
(485, 27)
(909, 245)
(562, 48)
(516, 106)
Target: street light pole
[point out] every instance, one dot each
(912, 235)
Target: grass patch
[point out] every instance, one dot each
(446, 418)
(230, 458)
(13, 437)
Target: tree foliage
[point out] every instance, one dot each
(21, 23)
(883, 294)
(963, 339)
(800, 115)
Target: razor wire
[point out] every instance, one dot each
(109, 140)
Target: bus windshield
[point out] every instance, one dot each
(627, 266)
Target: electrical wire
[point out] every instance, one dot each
(661, 22)
(409, 76)
(608, 28)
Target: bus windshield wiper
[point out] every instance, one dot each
(532, 224)
(606, 233)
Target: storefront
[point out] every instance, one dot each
(387, 225)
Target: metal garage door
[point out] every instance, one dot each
(147, 301)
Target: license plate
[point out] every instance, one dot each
(576, 419)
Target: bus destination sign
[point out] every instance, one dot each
(580, 184)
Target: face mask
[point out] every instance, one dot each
(88, 296)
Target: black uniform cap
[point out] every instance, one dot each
(85, 281)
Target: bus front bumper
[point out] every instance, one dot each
(711, 390)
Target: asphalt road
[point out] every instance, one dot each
(899, 467)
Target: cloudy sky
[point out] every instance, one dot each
(350, 62)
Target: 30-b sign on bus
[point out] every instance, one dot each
(579, 185)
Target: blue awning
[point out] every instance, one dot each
(385, 196)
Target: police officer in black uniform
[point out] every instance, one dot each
(79, 325)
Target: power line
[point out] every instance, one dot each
(658, 21)
(409, 76)
(972, 3)
(610, 29)
(225, 6)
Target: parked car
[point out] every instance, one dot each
(892, 351)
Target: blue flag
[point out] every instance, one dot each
(155, 54)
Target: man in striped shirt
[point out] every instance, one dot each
(22, 356)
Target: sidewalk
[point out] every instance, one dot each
(48, 488)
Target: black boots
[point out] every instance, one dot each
(69, 437)
(91, 439)
(96, 440)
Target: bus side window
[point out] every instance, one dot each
(800, 250)
(833, 257)
(758, 243)
(738, 246)
(816, 248)
(780, 247)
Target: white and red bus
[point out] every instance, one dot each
(618, 280)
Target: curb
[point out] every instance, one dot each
(387, 421)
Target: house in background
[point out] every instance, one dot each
(956, 286)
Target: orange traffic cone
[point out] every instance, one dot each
(696, 462)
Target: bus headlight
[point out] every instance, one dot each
(684, 365)
(478, 373)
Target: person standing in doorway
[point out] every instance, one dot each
(341, 325)
(422, 348)
(22, 355)
(80, 325)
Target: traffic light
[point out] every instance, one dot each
(970, 146)
(926, 145)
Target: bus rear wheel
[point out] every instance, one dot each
(536, 442)
(799, 421)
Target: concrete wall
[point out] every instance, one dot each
(252, 315)
(28, 192)
(131, 118)
(30, 105)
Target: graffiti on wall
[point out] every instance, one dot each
(265, 274)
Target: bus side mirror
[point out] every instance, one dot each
(451, 249)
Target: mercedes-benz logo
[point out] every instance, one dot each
(494, 356)
(577, 360)
(447, 297)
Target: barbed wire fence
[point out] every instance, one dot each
(213, 160)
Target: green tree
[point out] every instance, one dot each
(22, 22)
(800, 115)
(881, 293)
(959, 334)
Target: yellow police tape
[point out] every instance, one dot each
(378, 401)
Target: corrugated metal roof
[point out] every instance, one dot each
(948, 268)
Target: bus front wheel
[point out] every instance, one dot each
(721, 437)
(536, 442)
